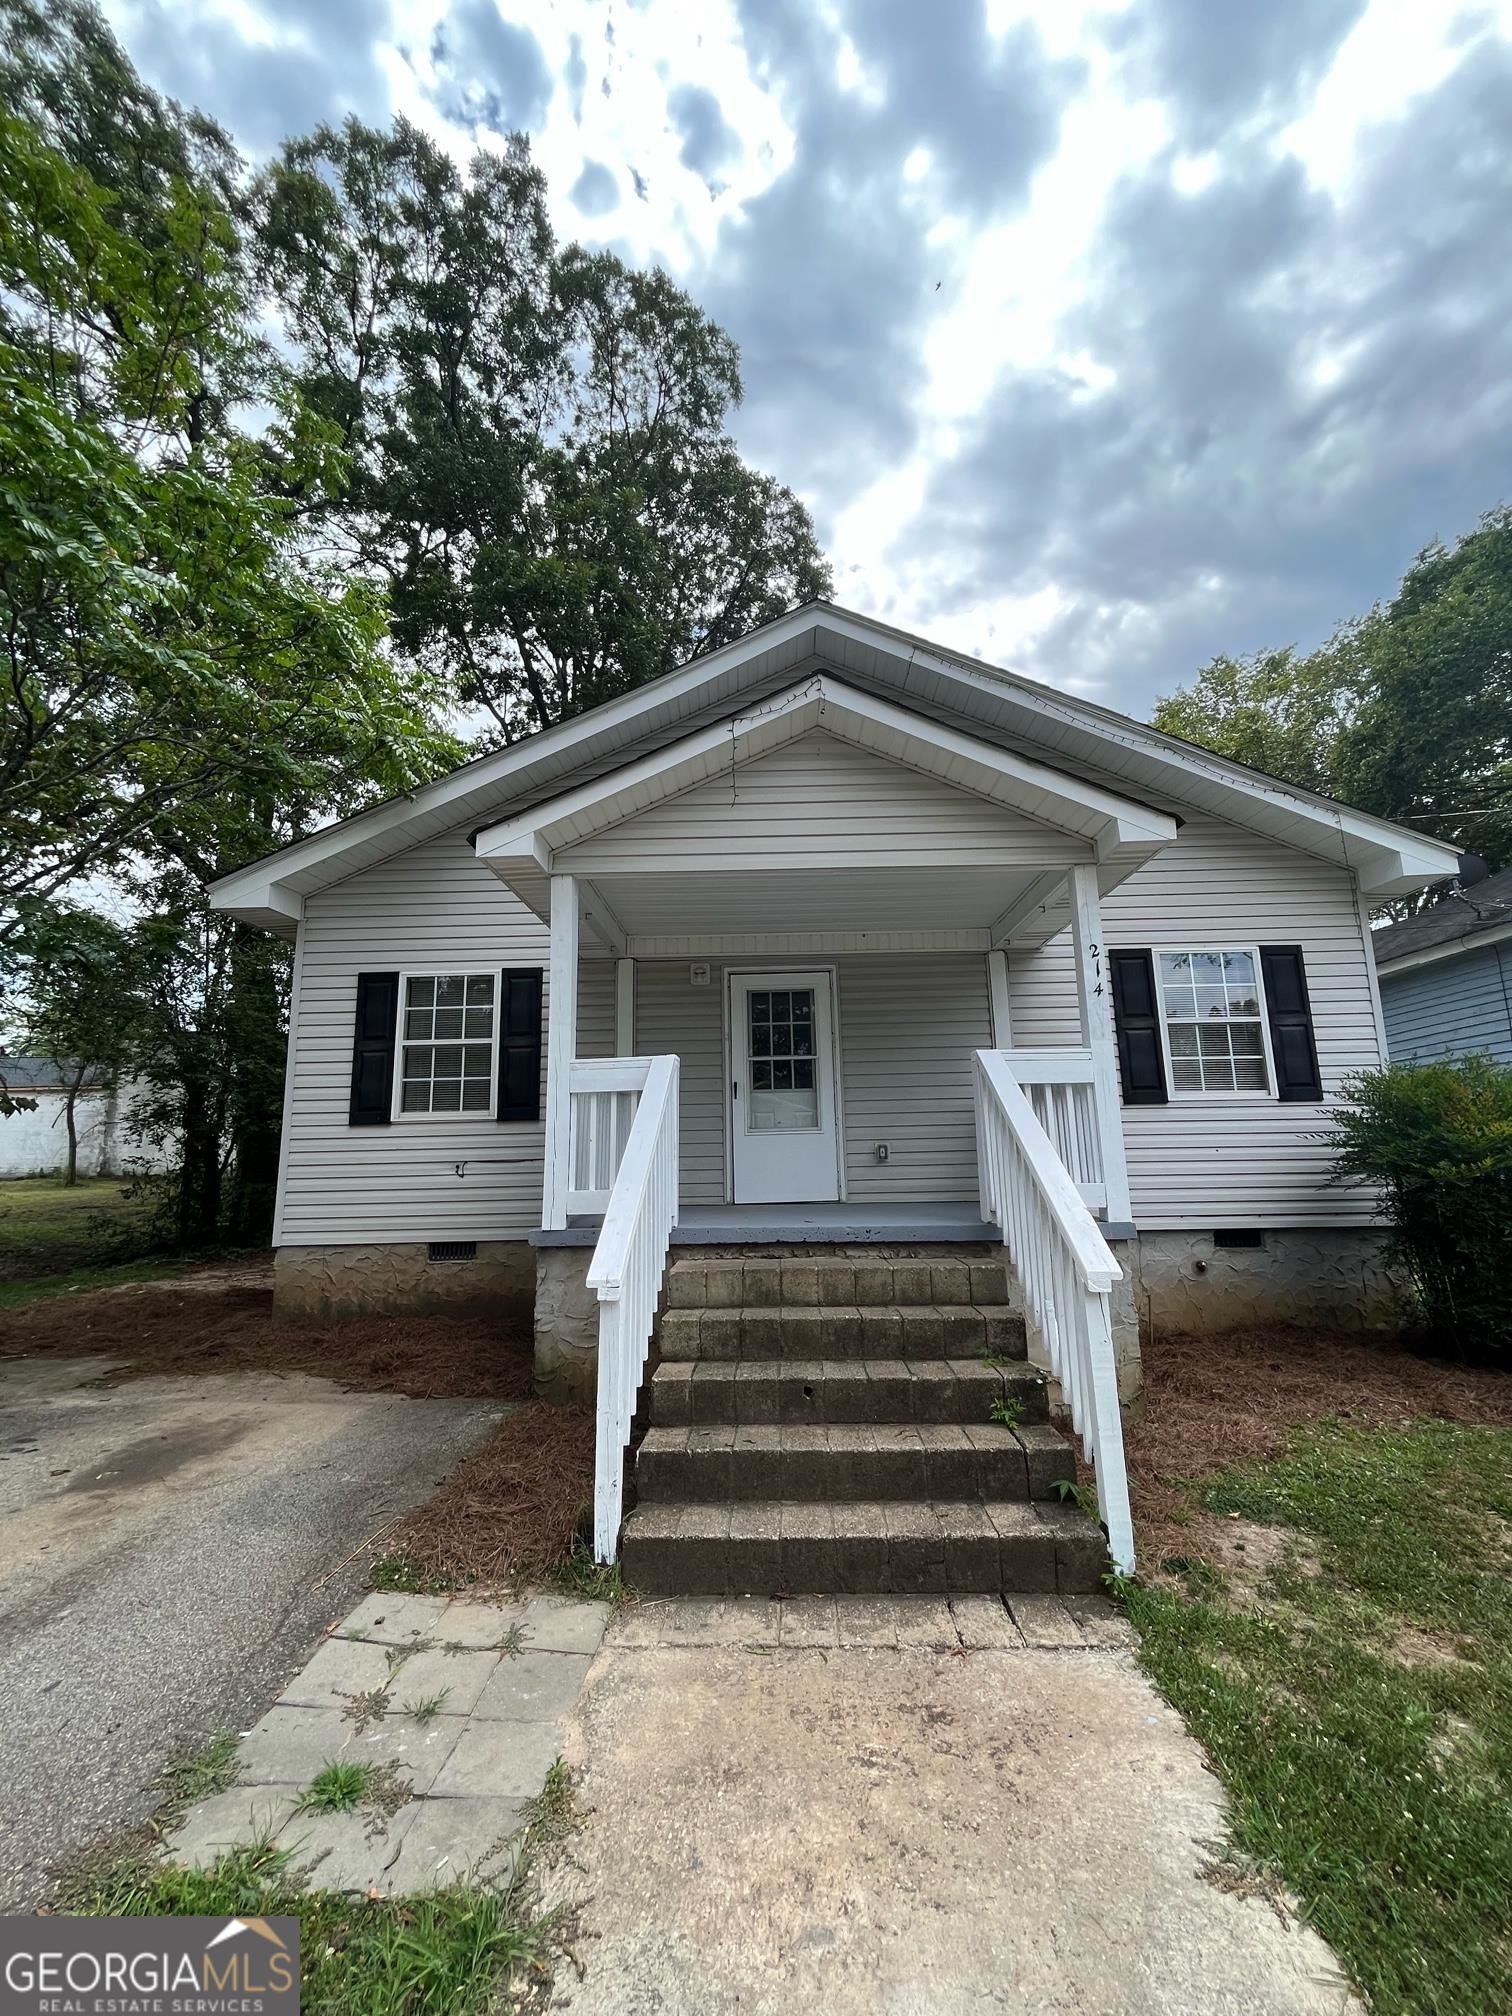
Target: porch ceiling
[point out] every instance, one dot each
(827, 900)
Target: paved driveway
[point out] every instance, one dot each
(169, 1551)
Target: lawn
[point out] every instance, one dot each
(47, 1229)
(1332, 1614)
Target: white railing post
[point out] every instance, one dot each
(1095, 1006)
(1066, 1271)
(561, 1049)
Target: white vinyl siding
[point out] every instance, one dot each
(908, 1025)
(823, 798)
(433, 910)
(1451, 1007)
(1200, 1163)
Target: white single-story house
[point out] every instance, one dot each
(1446, 975)
(831, 941)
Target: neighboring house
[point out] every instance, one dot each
(34, 1142)
(1446, 976)
(834, 920)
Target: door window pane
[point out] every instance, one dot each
(784, 1091)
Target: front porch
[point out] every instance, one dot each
(780, 1015)
(956, 1222)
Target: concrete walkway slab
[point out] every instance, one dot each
(464, 1771)
(897, 1830)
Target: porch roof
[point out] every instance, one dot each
(890, 883)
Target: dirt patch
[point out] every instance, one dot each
(1214, 1402)
(222, 1321)
(1411, 1647)
(511, 1508)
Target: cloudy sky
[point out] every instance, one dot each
(1098, 338)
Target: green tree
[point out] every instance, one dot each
(170, 644)
(1405, 712)
(540, 468)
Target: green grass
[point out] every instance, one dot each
(337, 1787)
(45, 1227)
(580, 1575)
(1356, 1698)
(17, 1294)
(452, 1953)
(199, 1774)
(406, 1576)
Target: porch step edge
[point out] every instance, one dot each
(779, 1547)
(704, 1392)
(821, 1279)
(843, 1330)
(853, 1462)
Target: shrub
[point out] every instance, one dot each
(1437, 1139)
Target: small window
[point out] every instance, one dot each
(448, 1040)
(1212, 1012)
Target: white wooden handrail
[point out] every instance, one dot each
(1067, 1273)
(626, 1271)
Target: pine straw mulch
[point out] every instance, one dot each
(1212, 1403)
(211, 1324)
(511, 1509)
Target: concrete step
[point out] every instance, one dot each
(815, 1280)
(697, 1392)
(854, 1461)
(842, 1330)
(781, 1548)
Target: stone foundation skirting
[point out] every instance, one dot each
(566, 1326)
(1333, 1278)
(331, 1283)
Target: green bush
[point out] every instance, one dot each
(1437, 1140)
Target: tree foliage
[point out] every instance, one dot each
(169, 645)
(1437, 1139)
(540, 470)
(1405, 712)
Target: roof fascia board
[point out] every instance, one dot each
(1446, 948)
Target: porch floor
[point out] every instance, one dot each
(954, 1222)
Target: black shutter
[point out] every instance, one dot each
(373, 1050)
(520, 1044)
(1291, 1030)
(1136, 1022)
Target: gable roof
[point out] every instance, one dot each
(1054, 729)
(1451, 925)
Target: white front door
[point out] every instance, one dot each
(782, 1088)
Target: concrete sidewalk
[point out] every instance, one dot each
(905, 1808)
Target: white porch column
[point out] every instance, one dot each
(624, 1007)
(1095, 1005)
(561, 1051)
